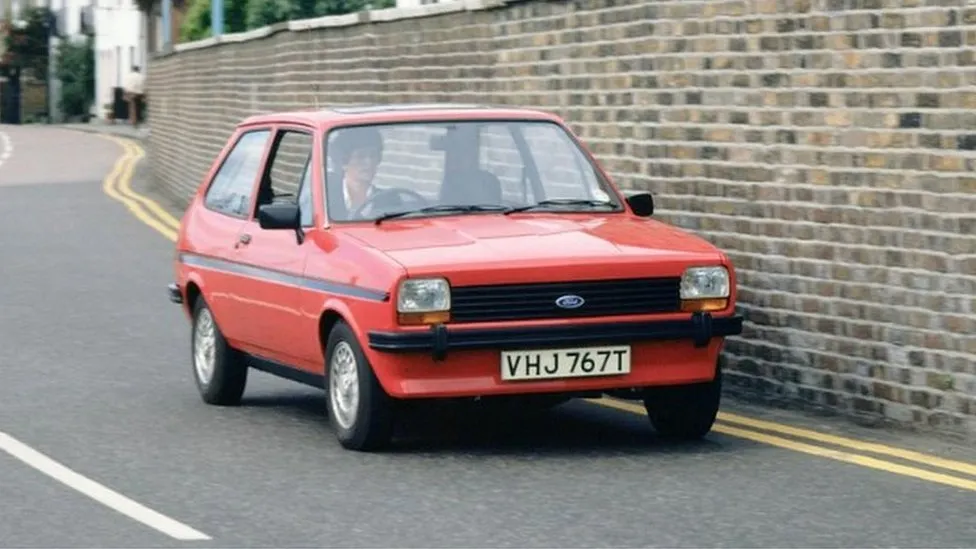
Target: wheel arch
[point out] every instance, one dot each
(327, 320)
(194, 290)
(193, 293)
(333, 311)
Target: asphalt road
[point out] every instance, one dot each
(96, 375)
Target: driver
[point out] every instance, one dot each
(357, 153)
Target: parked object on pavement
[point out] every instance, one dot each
(401, 252)
(135, 95)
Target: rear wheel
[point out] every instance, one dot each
(359, 409)
(220, 372)
(684, 412)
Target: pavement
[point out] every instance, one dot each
(106, 442)
(119, 129)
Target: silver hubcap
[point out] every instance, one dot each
(204, 347)
(344, 385)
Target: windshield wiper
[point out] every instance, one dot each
(444, 208)
(561, 202)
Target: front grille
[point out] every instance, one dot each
(538, 301)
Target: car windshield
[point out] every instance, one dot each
(423, 169)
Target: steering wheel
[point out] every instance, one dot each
(386, 194)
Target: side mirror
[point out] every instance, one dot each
(642, 202)
(283, 215)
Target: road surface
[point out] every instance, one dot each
(96, 378)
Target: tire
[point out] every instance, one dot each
(684, 412)
(362, 412)
(219, 371)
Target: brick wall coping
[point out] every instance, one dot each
(347, 20)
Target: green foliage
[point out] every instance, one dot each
(75, 66)
(242, 15)
(146, 6)
(266, 12)
(26, 48)
(342, 7)
(196, 23)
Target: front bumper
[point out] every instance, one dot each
(700, 328)
(174, 293)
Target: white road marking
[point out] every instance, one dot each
(6, 147)
(99, 493)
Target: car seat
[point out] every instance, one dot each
(471, 187)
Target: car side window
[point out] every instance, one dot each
(286, 167)
(233, 185)
(306, 208)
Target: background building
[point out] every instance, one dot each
(37, 98)
(120, 44)
(127, 32)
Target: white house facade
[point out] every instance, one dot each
(120, 45)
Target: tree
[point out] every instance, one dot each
(196, 23)
(26, 44)
(76, 70)
(261, 13)
(242, 15)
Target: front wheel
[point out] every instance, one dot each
(359, 409)
(220, 371)
(684, 412)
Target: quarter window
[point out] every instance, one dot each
(306, 207)
(288, 173)
(288, 164)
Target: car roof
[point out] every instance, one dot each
(397, 112)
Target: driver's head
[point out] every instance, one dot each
(358, 151)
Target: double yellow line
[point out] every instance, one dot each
(957, 474)
(118, 185)
(834, 447)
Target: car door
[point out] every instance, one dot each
(217, 226)
(271, 295)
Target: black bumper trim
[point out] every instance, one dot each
(174, 293)
(701, 328)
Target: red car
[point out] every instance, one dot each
(401, 252)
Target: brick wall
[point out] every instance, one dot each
(827, 145)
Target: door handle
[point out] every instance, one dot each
(244, 240)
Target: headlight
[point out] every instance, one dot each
(424, 295)
(705, 289)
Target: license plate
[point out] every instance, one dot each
(565, 363)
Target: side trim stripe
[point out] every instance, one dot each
(317, 284)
